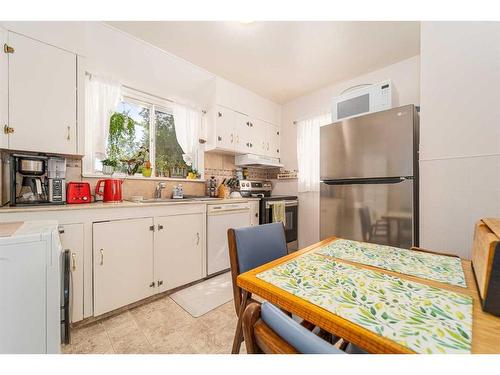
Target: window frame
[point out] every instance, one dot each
(153, 103)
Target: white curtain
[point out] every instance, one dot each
(308, 151)
(187, 123)
(102, 96)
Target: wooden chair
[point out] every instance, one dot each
(378, 232)
(268, 330)
(249, 248)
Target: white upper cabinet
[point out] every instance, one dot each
(243, 134)
(242, 122)
(273, 141)
(42, 97)
(221, 129)
(234, 132)
(4, 99)
(260, 137)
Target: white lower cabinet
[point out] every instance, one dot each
(254, 212)
(179, 247)
(123, 263)
(72, 239)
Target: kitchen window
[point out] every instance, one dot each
(143, 128)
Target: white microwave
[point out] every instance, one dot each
(372, 98)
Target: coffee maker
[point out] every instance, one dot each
(37, 180)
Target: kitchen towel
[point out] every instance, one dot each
(279, 212)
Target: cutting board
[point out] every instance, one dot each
(486, 263)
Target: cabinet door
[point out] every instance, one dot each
(42, 97)
(224, 122)
(71, 236)
(179, 247)
(123, 263)
(259, 136)
(4, 101)
(254, 213)
(273, 141)
(242, 133)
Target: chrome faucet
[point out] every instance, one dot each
(159, 188)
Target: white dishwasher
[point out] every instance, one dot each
(220, 218)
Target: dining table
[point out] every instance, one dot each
(380, 298)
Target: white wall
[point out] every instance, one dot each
(459, 131)
(406, 79)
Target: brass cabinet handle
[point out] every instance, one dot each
(197, 238)
(69, 133)
(8, 49)
(232, 137)
(102, 257)
(73, 260)
(7, 129)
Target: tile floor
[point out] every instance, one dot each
(160, 326)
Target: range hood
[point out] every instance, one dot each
(257, 161)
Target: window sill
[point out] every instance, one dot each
(140, 178)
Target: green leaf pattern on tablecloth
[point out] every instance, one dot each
(434, 267)
(422, 318)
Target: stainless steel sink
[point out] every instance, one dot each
(163, 200)
(166, 200)
(204, 199)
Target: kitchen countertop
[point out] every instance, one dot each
(124, 204)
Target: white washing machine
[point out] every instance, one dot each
(30, 289)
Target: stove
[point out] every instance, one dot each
(263, 190)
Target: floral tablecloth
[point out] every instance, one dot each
(423, 318)
(434, 267)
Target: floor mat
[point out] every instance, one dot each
(201, 298)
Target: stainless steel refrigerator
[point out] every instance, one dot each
(369, 178)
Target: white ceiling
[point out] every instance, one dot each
(282, 60)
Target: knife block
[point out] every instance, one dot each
(486, 263)
(223, 192)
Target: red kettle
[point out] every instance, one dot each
(111, 191)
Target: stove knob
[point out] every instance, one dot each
(85, 198)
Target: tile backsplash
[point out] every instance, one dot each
(219, 165)
(222, 166)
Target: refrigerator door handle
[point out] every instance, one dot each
(367, 181)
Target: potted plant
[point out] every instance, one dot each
(109, 166)
(136, 161)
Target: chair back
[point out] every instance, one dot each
(251, 247)
(267, 329)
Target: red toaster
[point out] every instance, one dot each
(78, 192)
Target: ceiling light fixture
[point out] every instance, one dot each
(247, 22)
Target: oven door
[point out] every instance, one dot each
(291, 218)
